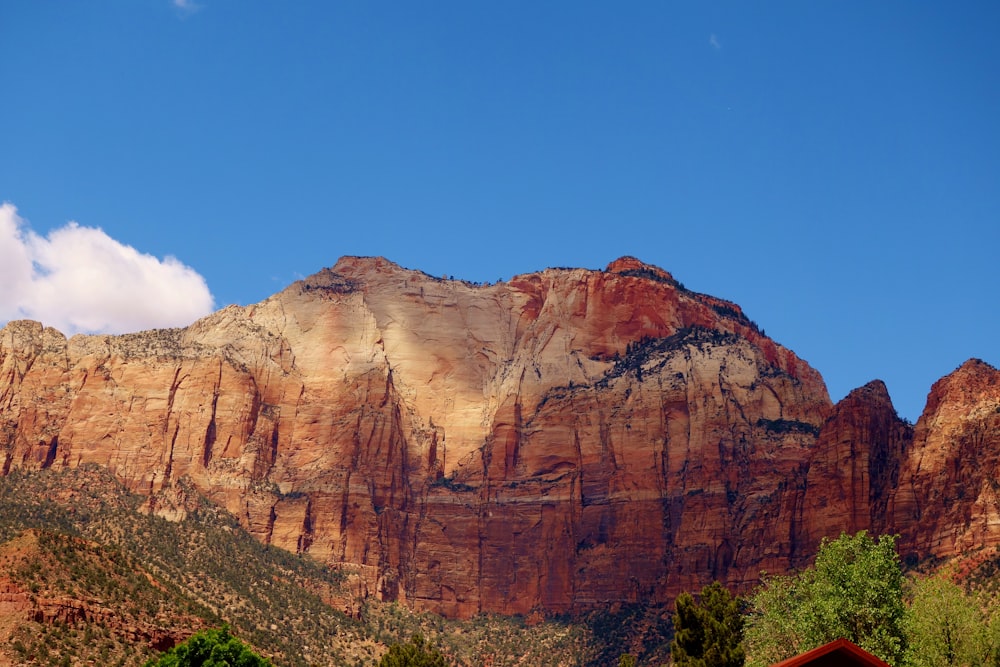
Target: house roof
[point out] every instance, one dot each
(838, 653)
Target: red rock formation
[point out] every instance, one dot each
(854, 468)
(22, 603)
(947, 503)
(934, 484)
(564, 440)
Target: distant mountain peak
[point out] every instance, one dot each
(630, 266)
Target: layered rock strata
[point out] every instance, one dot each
(948, 499)
(562, 441)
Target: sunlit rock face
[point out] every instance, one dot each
(566, 440)
(948, 500)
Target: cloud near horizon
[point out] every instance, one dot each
(80, 280)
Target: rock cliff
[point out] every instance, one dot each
(561, 441)
(947, 503)
(854, 468)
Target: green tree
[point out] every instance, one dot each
(415, 653)
(211, 648)
(626, 660)
(854, 590)
(992, 641)
(708, 632)
(945, 626)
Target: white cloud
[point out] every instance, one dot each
(187, 6)
(713, 39)
(79, 279)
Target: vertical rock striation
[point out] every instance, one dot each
(563, 441)
(854, 468)
(947, 503)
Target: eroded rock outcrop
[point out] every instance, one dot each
(854, 468)
(564, 440)
(948, 501)
(34, 590)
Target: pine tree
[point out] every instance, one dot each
(708, 632)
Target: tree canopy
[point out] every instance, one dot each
(946, 626)
(708, 632)
(626, 660)
(854, 590)
(414, 653)
(211, 648)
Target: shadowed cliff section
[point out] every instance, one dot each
(564, 441)
(854, 468)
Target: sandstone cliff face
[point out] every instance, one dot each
(854, 468)
(948, 501)
(564, 440)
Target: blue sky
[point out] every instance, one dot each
(833, 167)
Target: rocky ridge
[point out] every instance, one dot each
(563, 441)
(37, 588)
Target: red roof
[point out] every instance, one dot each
(839, 653)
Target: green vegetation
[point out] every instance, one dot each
(125, 582)
(642, 631)
(207, 565)
(948, 626)
(650, 274)
(449, 483)
(787, 426)
(708, 632)
(854, 590)
(655, 352)
(167, 576)
(211, 648)
(137, 579)
(414, 653)
(731, 311)
(595, 640)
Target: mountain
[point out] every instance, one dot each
(88, 577)
(565, 441)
